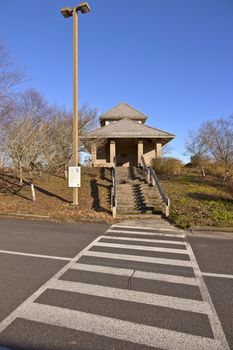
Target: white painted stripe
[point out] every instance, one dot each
(146, 233)
(138, 258)
(140, 247)
(137, 274)
(218, 275)
(213, 316)
(103, 269)
(35, 255)
(10, 318)
(133, 296)
(147, 228)
(118, 329)
(145, 240)
(165, 278)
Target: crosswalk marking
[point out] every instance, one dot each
(136, 274)
(138, 247)
(146, 240)
(10, 318)
(214, 320)
(145, 259)
(146, 233)
(218, 275)
(133, 296)
(111, 327)
(11, 252)
(118, 329)
(147, 228)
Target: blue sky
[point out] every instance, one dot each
(171, 59)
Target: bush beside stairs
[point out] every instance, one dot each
(134, 195)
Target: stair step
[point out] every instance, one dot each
(135, 212)
(135, 197)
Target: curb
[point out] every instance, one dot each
(53, 219)
(33, 216)
(211, 229)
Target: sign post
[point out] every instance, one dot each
(74, 178)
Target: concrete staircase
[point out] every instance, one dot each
(134, 195)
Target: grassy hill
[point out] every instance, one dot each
(53, 196)
(197, 201)
(194, 201)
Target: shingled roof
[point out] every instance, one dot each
(128, 128)
(123, 110)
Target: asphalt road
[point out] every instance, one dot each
(66, 287)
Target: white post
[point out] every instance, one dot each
(148, 176)
(112, 151)
(114, 212)
(140, 152)
(33, 192)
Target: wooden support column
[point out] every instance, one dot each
(93, 153)
(140, 152)
(112, 151)
(158, 150)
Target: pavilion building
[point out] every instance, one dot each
(123, 138)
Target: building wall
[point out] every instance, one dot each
(103, 154)
(149, 151)
(126, 152)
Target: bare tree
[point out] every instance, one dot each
(88, 119)
(24, 145)
(166, 150)
(38, 137)
(24, 137)
(10, 76)
(32, 103)
(60, 135)
(197, 149)
(59, 141)
(218, 136)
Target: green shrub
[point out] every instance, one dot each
(217, 169)
(167, 166)
(157, 165)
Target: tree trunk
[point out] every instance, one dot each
(202, 170)
(20, 175)
(226, 170)
(66, 172)
(33, 192)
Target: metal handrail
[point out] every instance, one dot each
(114, 190)
(152, 178)
(145, 170)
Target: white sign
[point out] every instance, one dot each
(74, 176)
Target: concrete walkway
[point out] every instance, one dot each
(153, 223)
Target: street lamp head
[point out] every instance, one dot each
(84, 7)
(66, 12)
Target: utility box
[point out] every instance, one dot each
(74, 177)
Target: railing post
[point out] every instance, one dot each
(114, 212)
(114, 190)
(153, 180)
(164, 197)
(167, 208)
(148, 176)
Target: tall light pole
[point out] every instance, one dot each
(69, 12)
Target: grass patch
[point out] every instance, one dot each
(198, 202)
(53, 196)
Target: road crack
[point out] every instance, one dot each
(129, 280)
